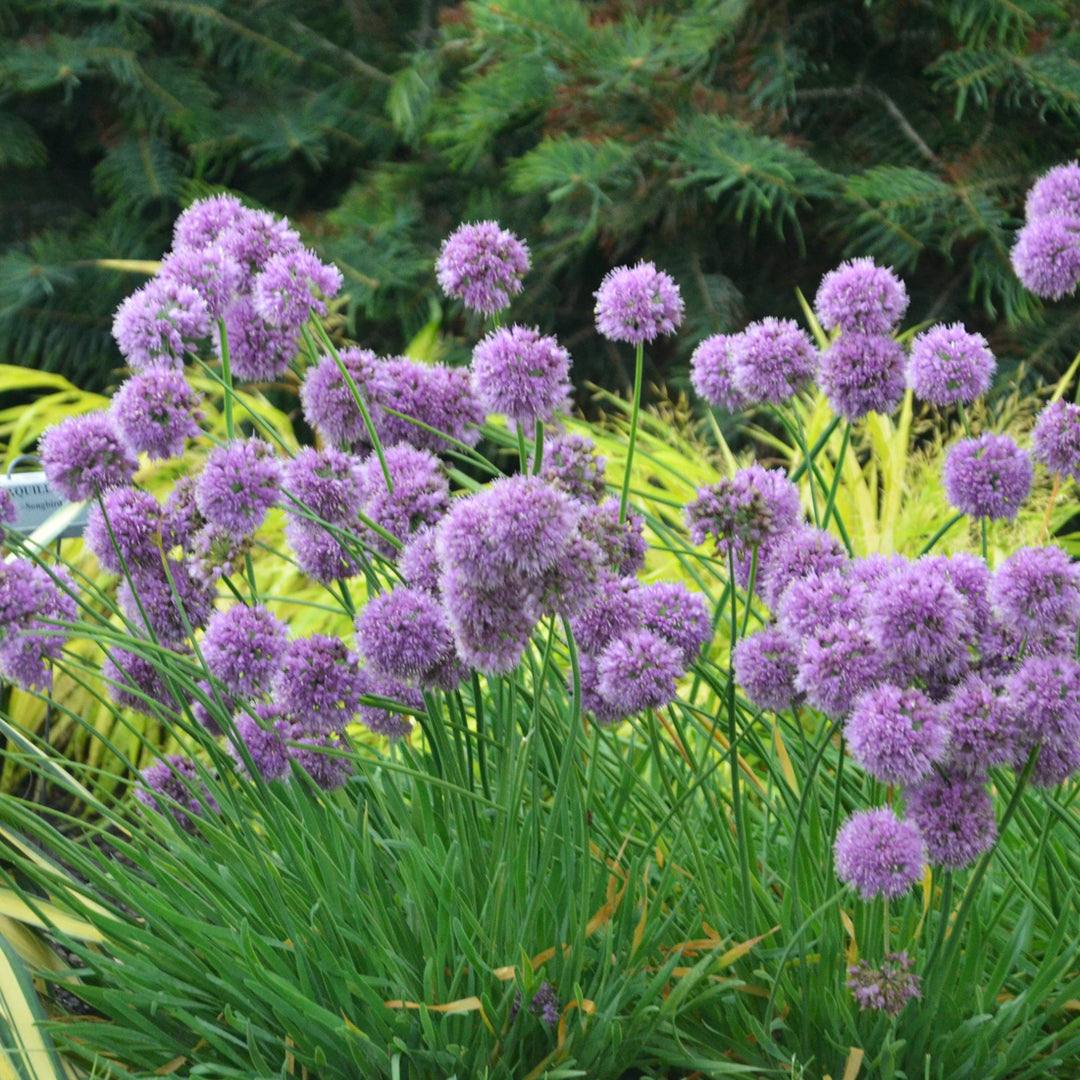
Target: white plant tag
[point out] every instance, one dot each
(36, 502)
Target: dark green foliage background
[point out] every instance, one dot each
(745, 147)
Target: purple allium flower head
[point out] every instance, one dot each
(896, 735)
(601, 710)
(175, 780)
(545, 1005)
(84, 455)
(421, 494)
(167, 598)
(210, 705)
(265, 744)
(134, 682)
(796, 552)
(670, 609)
(836, 665)
(243, 647)
(1055, 192)
(491, 622)
(878, 854)
(622, 543)
(569, 462)
(320, 756)
(24, 656)
(1046, 255)
(317, 682)
(751, 508)
(155, 411)
(611, 611)
(418, 564)
(440, 397)
(134, 519)
(258, 352)
(887, 989)
(1044, 700)
(254, 238)
(404, 633)
(863, 373)
(920, 623)
(210, 271)
(20, 594)
(814, 600)
(970, 577)
(180, 517)
(569, 585)
(765, 667)
(955, 816)
(771, 360)
(160, 324)
(948, 364)
(522, 374)
(212, 552)
(383, 720)
(320, 555)
(238, 484)
(987, 477)
(292, 285)
(482, 265)
(327, 482)
(861, 296)
(1055, 438)
(637, 303)
(328, 403)
(711, 374)
(1036, 590)
(205, 221)
(981, 729)
(638, 671)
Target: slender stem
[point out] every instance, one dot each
(940, 533)
(639, 363)
(964, 418)
(226, 378)
(816, 449)
(523, 450)
(538, 452)
(733, 750)
(813, 470)
(838, 469)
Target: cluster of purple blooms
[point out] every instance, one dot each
(886, 989)
(937, 668)
(1046, 255)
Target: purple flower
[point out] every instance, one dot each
(209, 270)
(622, 543)
(862, 373)
(886, 990)
(321, 757)
(836, 665)
(421, 494)
(205, 221)
(1055, 192)
(29, 642)
(134, 682)
(418, 564)
(861, 296)
(84, 455)
(1046, 255)
(970, 577)
(175, 781)
(1044, 700)
(258, 352)
(896, 735)
(669, 609)
(491, 622)
(771, 360)
(238, 484)
(1036, 591)
(154, 412)
(404, 633)
(638, 671)
(214, 552)
(955, 816)
(545, 1005)
(920, 623)
(981, 729)
(601, 710)
(243, 647)
(794, 553)
(265, 744)
(160, 324)
(878, 854)
(569, 585)
(437, 396)
(949, 365)
(746, 510)
(765, 665)
(291, 285)
(989, 476)
(394, 723)
(254, 237)
(167, 599)
(329, 405)
(317, 682)
(521, 374)
(611, 611)
(813, 601)
(1055, 438)
(326, 482)
(180, 517)
(134, 519)
(637, 303)
(569, 462)
(482, 265)
(711, 374)
(320, 555)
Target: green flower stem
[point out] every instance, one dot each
(538, 452)
(226, 379)
(639, 363)
(964, 418)
(523, 450)
(350, 382)
(733, 751)
(813, 468)
(816, 449)
(928, 546)
(830, 505)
